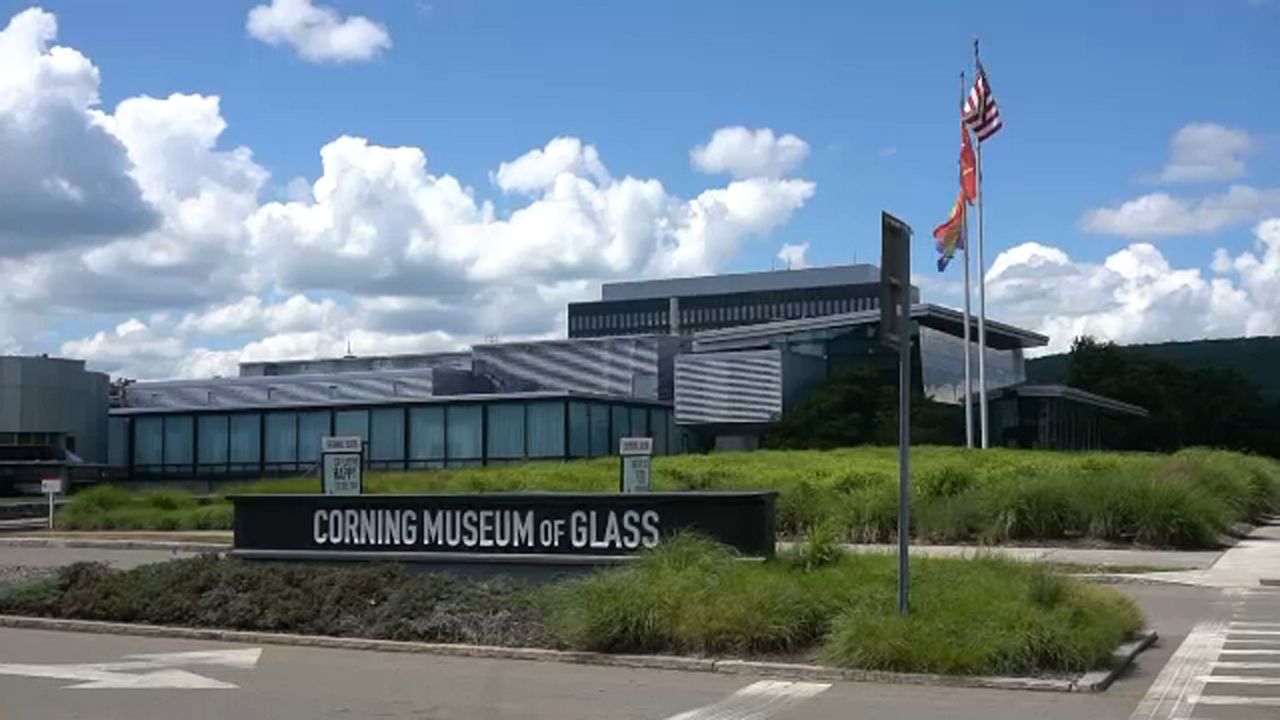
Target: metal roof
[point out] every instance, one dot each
(356, 404)
(1067, 392)
(999, 335)
(741, 282)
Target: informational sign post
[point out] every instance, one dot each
(895, 331)
(51, 486)
(342, 465)
(636, 454)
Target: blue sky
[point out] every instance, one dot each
(1092, 95)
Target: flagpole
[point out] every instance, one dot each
(968, 345)
(982, 292)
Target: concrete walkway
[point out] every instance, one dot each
(1091, 557)
(1253, 562)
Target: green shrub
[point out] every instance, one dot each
(1188, 499)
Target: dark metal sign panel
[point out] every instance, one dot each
(499, 524)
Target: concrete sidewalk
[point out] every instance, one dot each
(1253, 562)
(1091, 557)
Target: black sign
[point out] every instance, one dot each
(499, 524)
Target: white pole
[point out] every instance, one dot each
(968, 345)
(982, 315)
(50, 511)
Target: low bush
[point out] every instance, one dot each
(1188, 499)
(978, 616)
(688, 596)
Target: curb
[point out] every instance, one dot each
(104, 544)
(1121, 659)
(1133, 579)
(793, 671)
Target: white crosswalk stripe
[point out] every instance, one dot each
(1223, 667)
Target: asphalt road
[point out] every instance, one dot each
(294, 683)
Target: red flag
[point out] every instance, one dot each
(968, 168)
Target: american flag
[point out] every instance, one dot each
(981, 113)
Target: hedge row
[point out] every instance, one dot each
(983, 616)
(1189, 499)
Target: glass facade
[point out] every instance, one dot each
(941, 364)
(183, 444)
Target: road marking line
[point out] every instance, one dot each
(756, 701)
(1240, 679)
(1231, 665)
(1264, 633)
(1235, 700)
(1173, 692)
(1232, 651)
(1247, 624)
(150, 670)
(1255, 641)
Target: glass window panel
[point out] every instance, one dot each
(352, 422)
(658, 421)
(599, 415)
(312, 427)
(246, 438)
(386, 437)
(211, 431)
(546, 429)
(621, 427)
(506, 430)
(464, 431)
(426, 432)
(148, 440)
(579, 430)
(179, 434)
(117, 441)
(639, 422)
(282, 437)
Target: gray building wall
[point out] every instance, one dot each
(53, 395)
(742, 282)
(454, 360)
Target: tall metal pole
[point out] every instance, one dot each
(904, 436)
(968, 319)
(982, 296)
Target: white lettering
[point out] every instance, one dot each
(631, 529)
(650, 522)
(409, 527)
(547, 533)
(486, 528)
(391, 530)
(502, 531)
(351, 529)
(369, 527)
(317, 528)
(560, 532)
(469, 530)
(432, 528)
(335, 526)
(578, 528)
(522, 533)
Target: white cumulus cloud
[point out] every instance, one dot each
(1206, 152)
(317, 33)
(793, 255)
(1163, 215)
(745, 153)
(1135, 295)
(64, 180)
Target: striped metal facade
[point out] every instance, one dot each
(293, 390)
(639, 367)
(729, 387)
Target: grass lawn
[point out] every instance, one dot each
(979, 616)
(1188, 499)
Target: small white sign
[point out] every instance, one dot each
(635, 473)
(344, 443)
(51, 486)
(342, 473)
(635, 446)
